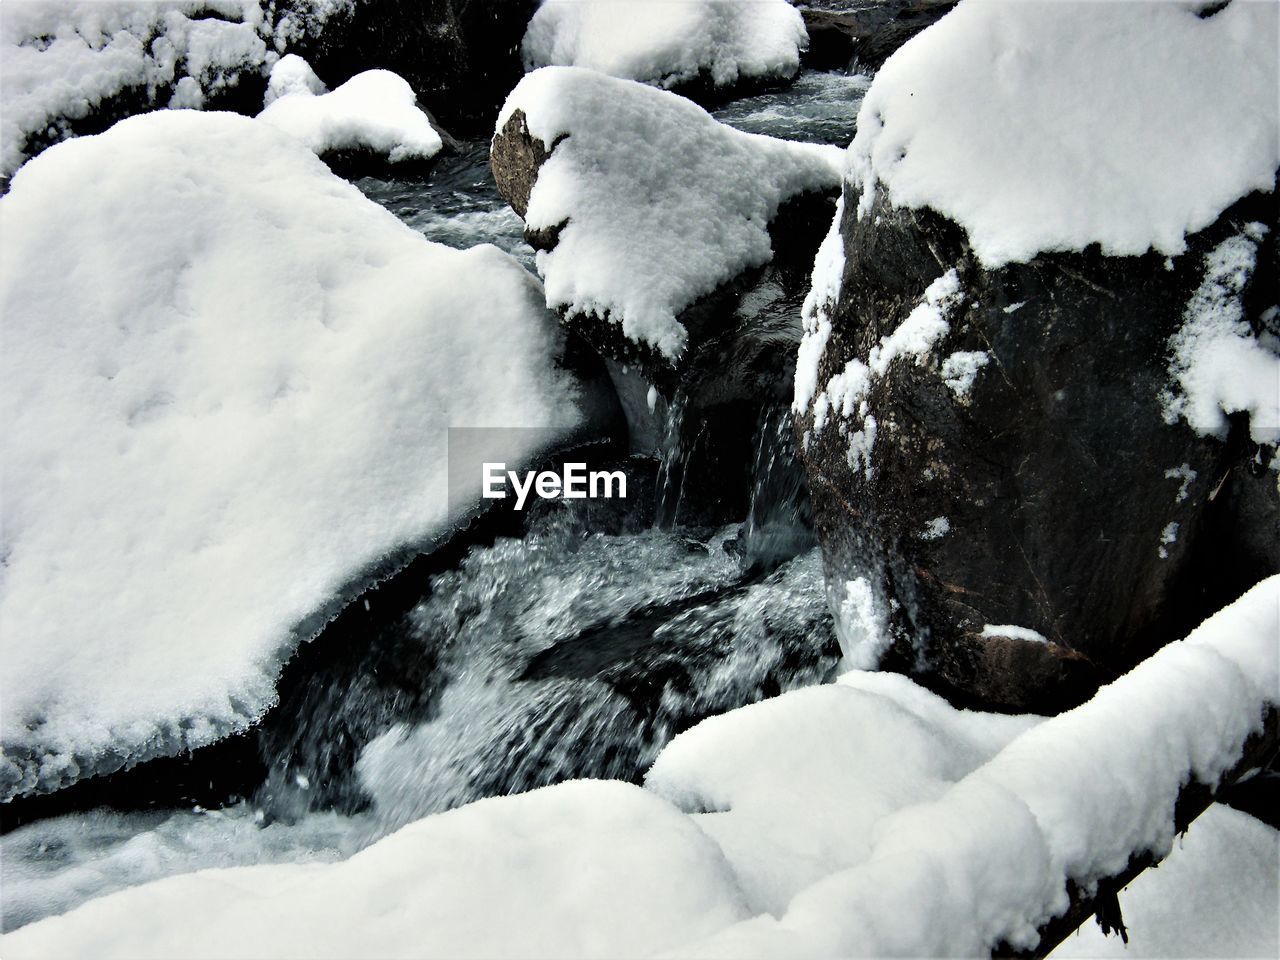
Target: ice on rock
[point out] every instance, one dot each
(376, 111)
(669, 43)
(581, 869)
(1053, 126)
(226, 383)
(659, 203)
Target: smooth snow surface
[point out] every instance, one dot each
(581, 869)
(1053, 126)
(1216, 895)
(663, 204)
(226, 383)
(667, 42)
(375, 110)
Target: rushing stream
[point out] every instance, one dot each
(578, 649)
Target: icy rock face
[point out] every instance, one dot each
(1087, 400)
(220, 430)
(694, 46)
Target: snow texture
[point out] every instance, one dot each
(375, 111)
(1218, 365)
(815, 314)
(960, 370)
(845, 395)
(226, 383)
(1053, 126)
(667, 43)
(864, 818)
(956, 871)
(290, 75)
(1216, 895)
(1013, 632)
(660, 203)
(581, 869)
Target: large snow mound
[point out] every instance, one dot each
(376, 110)
(226, 383)
(582, 869)
(1053, 126)
(661, 203)
(669, 43)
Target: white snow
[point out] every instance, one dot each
(1217, 364)
(582, 869)
(864, 818)
(669, 43)
(815, 314)
(1216, 895)
(663, 204)
(376, 110)
(936, 529)
(794, 788)
(1169, 535)
(290, 75)
(861, 622)
(960, 370)
(924, 326)
(1186, 475)
(226, 383)
(845, 394)
(61, 60)
(1053, 126)
(1013, 632)
(955, 870)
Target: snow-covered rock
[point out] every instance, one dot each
(719, 42)
(374, 112)
(70, 67)
(641, 201)
(582, 869)
(987, 860)
(65, 65)
(994, 335)
(1216, 894)
(868, 818)
(1112, 136)
(227, 380)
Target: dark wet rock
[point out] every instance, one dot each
(1058, 474)
(864, 32)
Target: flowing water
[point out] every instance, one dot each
(577, 649)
